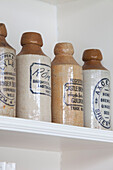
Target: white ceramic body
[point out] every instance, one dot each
(97, 99)
(7, 82)
(34, 87)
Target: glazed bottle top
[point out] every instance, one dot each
(3, 35)
(64, 49)
(31, 43)
(92, 60)
(3, 31)
(64, 54)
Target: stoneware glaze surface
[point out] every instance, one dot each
(67, 89)
(33, 80)
(7, 76)
(96, 91)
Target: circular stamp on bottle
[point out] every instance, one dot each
(101, 103)
(7, 78)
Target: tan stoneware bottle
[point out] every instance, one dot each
(67, 87)
(33, 80)
(96, 91)
(7, 76)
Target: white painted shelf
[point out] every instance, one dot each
(29, 134)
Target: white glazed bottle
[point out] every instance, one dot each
(7, 76)
(96, 91)
(33, 79)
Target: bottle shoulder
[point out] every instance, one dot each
(22, 52)
(31, 49)
(64, 61)
(6, 45)
(93, 65)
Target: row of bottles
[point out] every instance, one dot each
(75, 96)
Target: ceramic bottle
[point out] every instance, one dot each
(67, 87)
(7, 76)
(96, 91)
(33, 79)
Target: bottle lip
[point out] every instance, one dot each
(63, 48)
(92, 54)
(31, 38)
(3, 30)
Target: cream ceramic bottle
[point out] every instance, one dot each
(67, 87)
(96, 91)
(7, 76)
(33, 79)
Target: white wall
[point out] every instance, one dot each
(29, 15)
(88, 160)
(88, 24)
(31, 160)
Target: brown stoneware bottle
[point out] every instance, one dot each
(67, 88)
(7, 76)
(96, 91)
(33, 80)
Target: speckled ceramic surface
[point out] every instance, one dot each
(7, 82)
(67, 87)
(34, 87)
(67, 94)
(97, 99)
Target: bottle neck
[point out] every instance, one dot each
(31, 49)
(64, 56)
(93, 64)
(64, 59)
(2, 41)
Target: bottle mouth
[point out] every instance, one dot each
(64, 48)
(3, 31)
(92, 54)
(31, 38)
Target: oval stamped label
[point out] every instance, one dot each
(7, 78)
(40, 79)
(101, 102)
